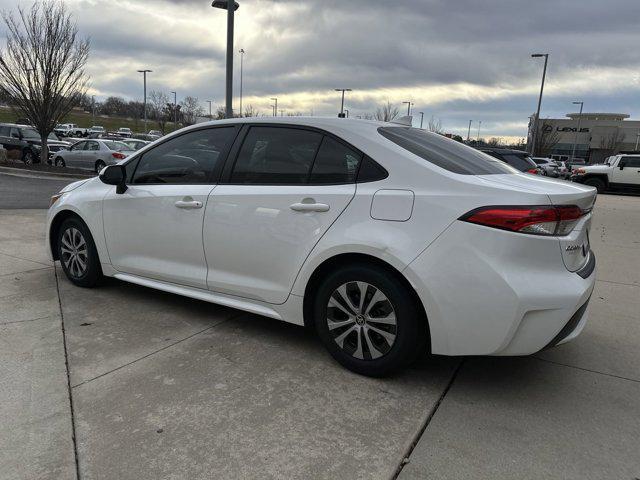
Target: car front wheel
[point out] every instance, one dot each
(59, 162)
(368, 320)
(28, 157)
(596, 182)
(77, 253)
(100, 165)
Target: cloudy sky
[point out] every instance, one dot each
(455, 59)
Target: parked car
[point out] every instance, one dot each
(578, 162)
(619, 172)
(516, 158)
(387, 240)
(70, 130)
(92, 154)
(548, 166)
(24, 143)
(124, 132)
(96, 129)
(563, 170)
(155, 133)
(135, 144)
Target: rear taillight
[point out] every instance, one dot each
(533, 170)
(542, 220)
(118, 155)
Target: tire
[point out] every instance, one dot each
(100, 165)
(59, 162)
(28, 157)
(596, 182)
(356, 337)
(77, 253)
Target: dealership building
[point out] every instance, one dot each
(597, 135)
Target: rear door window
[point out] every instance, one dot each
(335, 163)
(444, 152)
(276, 155)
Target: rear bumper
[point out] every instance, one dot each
(491, 292)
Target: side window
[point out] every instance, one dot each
(192, 158)
(276, 155)
(92, 146)
(335, 163)
(633, 162)
(371, 171)
(15, 133)
(78, 146)
(4, 131)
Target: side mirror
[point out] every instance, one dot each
(115, 175)
(621, 165)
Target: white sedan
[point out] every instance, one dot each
(387, 240)
(92, 154)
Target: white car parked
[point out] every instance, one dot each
(386, 239)
(92, 155)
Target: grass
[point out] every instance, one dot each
(85, 120)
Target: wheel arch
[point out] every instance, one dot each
(56, 222)
(342, 259)
(600, 176)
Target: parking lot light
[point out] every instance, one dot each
(421, 118)
(408, 107)
(209, 102)
(575, 139)
(275, 107)
(535, 122)
(230, 8)
(175, 111)
(144, 74)
(342, 104)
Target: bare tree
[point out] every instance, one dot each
(250, 111)
(434, 125)
(191, 109)
(157, 105)
(612, 142)
(386, 112)
(546, 139)
(42, 65)
(494, 142)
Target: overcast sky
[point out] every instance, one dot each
(455, 59)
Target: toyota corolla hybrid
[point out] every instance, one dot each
(387, 240)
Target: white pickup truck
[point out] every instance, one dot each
(70, 130)
(619, 172)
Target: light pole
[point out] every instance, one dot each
(175, 111)
(241, 51)
(637, 139)
(230, 7)
(469, 132)
(421, 118)
(93, 109)
(282, 113)
(479, 125)
(342, 104)
(209, 102)
(144, 75)
(535, 121)
(347, 112)
(275, 107)
(575, 139)
(408, 107)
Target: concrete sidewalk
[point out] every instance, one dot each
(168, 387)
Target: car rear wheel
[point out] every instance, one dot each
(59, 162)
(28, 158)
(368, 321)
(77, 253)
(100, 165)
(596, 182)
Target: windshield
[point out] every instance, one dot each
(117, 146)
(30, 133)
(444, 152)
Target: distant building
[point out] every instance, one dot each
(600, 135)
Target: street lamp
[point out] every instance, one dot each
(342, 104)
(535, 122)
(347, 112)
(469, 132)
(575, 139)
(209, 102)
(175, 111)
(275, 107)
(144, 74)
(421, 118)
(241, 51)
(230, 8)
(408, 107)
(479, 125)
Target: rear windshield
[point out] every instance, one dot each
(444, 152)
(521, 163)
(118, 146)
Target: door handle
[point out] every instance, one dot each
(310, 207)
(188, 205)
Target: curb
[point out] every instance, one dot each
(23, 172)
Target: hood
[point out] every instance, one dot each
(600, 167)
(74, 185)
(560, 192)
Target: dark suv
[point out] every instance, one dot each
(23, 142)
(516, 158)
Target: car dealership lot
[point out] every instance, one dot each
(168, 387)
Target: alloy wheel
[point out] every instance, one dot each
(74, 252)
(361, 320)
(28, 158)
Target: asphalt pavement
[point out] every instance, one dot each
(27, 190)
